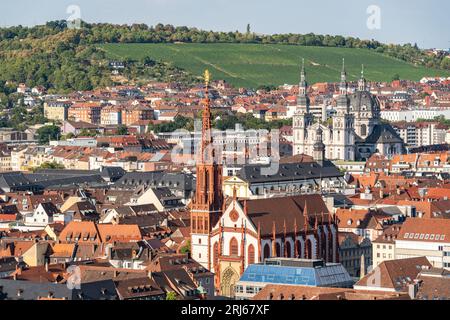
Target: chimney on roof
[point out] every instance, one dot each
(413, 288)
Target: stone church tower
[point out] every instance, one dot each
(343, 139)
(366, 109)
(354, 133)
(303, 117)
(206, 207)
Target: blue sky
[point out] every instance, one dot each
(424, 22)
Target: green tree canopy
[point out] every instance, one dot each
(47, 133)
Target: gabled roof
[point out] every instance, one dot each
(383, 133)
(394, 274)
(50, 209)
(276, 211)
(434, 284)
(290, 172)
(109, 232)
(425, 230)
(360, 219)
(138, 288)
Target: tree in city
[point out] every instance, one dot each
(47, 133)
(171, 296)
(122, 130)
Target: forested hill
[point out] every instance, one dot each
(62, 60)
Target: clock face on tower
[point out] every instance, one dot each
(234, 216)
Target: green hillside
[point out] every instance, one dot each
(251, 65)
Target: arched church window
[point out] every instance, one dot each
(234, 247)
(308, 251)
(278, 248)
(299, 249)
(251, 254)
(288, 250)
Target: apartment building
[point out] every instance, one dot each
(428, 238)
(417, 134)
(86, 112)
(57, 110)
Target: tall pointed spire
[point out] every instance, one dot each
(306, 217)
(285, 239)
(206, 144)
(343, 85)
(343, 102)
(207, 203)
(303, 83)
(362, 83)
(296, 248)
(303, 99)
(274, 240)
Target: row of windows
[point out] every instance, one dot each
(247, 289)
(422, 236)
(234, 251)
(389, 256)
(384, 246)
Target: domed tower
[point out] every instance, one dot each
(343, 130)
(365, 107)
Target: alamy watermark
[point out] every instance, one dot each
(74, 18)
(374, 19)
(74, 279)
(229, 147)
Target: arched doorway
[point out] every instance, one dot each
(229, 279)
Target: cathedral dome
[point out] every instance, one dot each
(364, 101)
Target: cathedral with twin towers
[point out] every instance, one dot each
(354, 133)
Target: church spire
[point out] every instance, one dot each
(362, 83)
(305, 217)
(303, 99)
(343, 86)
(303, 84)
(206, 149)
(343, 100)
(208, 194)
